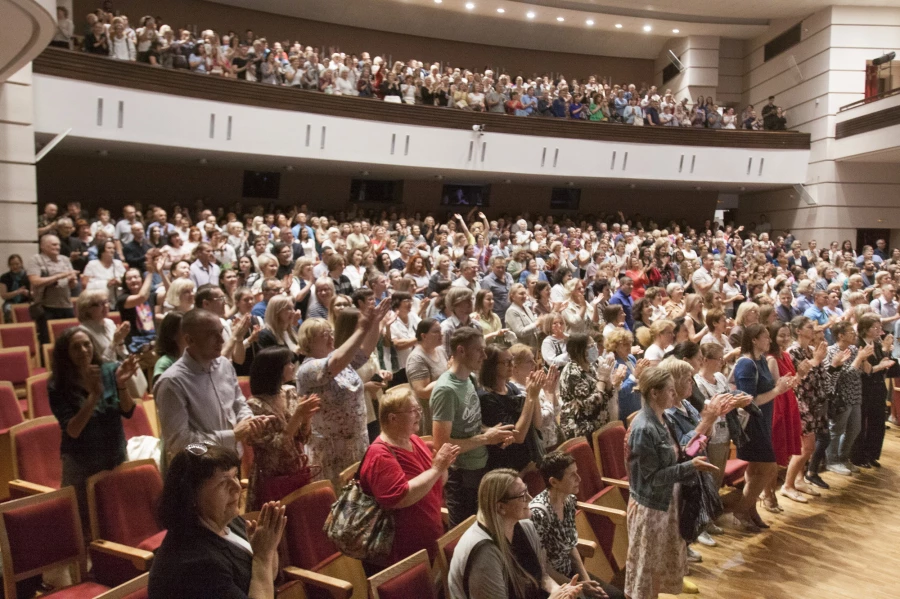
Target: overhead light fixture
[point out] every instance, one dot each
(530, 15)
(590, 22)
(290, 168)
(470, 5)
(560, 19)
(203, 161)
(438, 1)
(501, 10)
(618, 25)
(647, 28)
(676, 31)
(103, 153)
(364, 173)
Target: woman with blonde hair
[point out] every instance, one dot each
(580, 315)
(339, 432)
(180, 297)
(504, 547)
(93, 313)
(553, 347)
(281, 321)
(659, 338)
(747, 314)
(268, 268)
(619, 343)
(657, 555)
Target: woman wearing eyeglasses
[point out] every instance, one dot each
(399, 472)
(209, 550)
(500, 556)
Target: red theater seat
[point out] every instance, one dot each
(37, 467)
(411, 577)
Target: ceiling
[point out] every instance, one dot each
(516, 27)
(106, 151)
(28, 26)
(891, 155)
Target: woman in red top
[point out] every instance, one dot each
(638, 273)
(398, 471)
(787, 428)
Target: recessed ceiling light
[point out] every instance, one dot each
(470, 5)
(618, 25)
(438, 1)
(501, 10)
(647, 27)
(560, 19)
(676, 31)
(590, 21)
(530, 15)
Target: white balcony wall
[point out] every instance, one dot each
(115, 114)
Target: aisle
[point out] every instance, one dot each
(844, 545)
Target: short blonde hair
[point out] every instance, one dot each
(178, 286)
(616, 336)
(309, 329)
(88, 299)
(679, 369)
(393, 402)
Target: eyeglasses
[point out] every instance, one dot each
(416, 410)
(523, 496)
(197, 449)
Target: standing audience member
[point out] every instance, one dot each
(400, 473)
(339, 431)
(456, 414)
(51, 277)
(198, 397)
(867, 450)
(586, 394)
(425, 364)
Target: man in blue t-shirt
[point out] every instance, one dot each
(817, 313)
(622, 296)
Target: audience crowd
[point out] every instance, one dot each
(254, 58)
(500, 338)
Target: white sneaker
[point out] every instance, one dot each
(693, 557)
(839, 469)
(705, 539)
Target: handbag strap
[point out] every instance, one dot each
(388, 445)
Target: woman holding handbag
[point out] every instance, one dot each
(400, 474)
(280, 465)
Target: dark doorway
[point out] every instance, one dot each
(870, 236)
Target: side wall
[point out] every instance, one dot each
(830, 73)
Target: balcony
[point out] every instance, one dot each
(138, 108)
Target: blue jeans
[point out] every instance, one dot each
(843, 429)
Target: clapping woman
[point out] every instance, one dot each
(89, 398)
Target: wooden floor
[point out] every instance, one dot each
(844, 545)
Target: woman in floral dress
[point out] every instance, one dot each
(339, 434)
(812, 401)
(588, 400)
(280, 465)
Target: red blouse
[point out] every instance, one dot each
(386, 478)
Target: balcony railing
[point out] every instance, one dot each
(84, 67)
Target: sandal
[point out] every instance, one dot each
(794, 494)
(770, 504)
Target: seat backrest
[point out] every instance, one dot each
(15, 365)
(307, 509)
(532, 478)
(36, 451)
(139, 423)
(27, 527)
(445, 546)
(10, 411)
(21, 314)
(591, 484)
(609, 444)
(244, 382)
(408, 578)
(38, 395)
(58, 325)
(20, 335)
(122, 502)
(115, 317)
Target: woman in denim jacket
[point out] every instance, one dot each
(656, 559)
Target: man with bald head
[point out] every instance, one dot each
(52, 277)
(198, 397)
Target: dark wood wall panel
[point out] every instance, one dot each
(869, 122)
(85, 67)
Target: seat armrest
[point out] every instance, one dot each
(139, 558)
(22, 488)
(586, 548)
(336, 588)
(445, 516)
(616, 516)
(616, 482)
